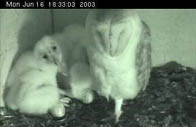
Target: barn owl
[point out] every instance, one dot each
(119, 54)
(73, 40)
(32, 86)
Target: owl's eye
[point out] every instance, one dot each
(121, 35)
(54, 48)
(99, 37)
(98, 33)
(45, 56)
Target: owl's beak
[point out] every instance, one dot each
(112, 45)
(55, 60)
(62, 69)
(61, 65)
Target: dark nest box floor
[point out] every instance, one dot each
(169, 101)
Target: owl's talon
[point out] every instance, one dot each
(65, 101)
(66, 105)
(118, 112)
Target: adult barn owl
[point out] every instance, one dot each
(119, 54)
(32, 86)
(73, 40)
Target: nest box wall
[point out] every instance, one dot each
(173, 32)
(173, 35)
(66, 17)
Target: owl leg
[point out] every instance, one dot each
(81, 82)
(58, 110)
(104, 89)
(88, 97)
(118, 105)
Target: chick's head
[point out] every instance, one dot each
(47, 51)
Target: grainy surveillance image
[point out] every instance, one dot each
(97, 68)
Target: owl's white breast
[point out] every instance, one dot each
(119, 71)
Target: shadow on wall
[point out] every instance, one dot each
(33, 29)
(65, 17)
(173, 32)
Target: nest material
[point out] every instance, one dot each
(168, 101)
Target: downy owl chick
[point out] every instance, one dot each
(73, 40)
(119, 54)
(31, 86)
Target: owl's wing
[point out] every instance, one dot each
(143, 56)
(22, 64)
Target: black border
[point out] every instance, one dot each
(107, 4)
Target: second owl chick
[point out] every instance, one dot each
(73, 40)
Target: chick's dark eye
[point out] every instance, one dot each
(54, 47)
(99, 34)
(45, 56)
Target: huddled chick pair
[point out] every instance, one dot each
(32, 83)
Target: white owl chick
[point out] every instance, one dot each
(73, 40)
(32, 86)
(119, 54)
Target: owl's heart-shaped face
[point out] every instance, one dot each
(110, 31)
(47, 51)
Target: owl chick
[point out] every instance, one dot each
(119, 54)
(32, 86)
(73, 40)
